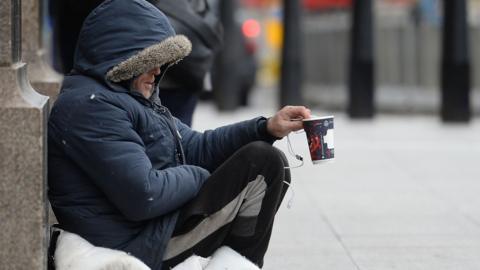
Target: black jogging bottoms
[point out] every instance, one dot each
(235, 207)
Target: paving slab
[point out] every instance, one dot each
(414, 258)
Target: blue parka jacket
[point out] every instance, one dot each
(119, 165)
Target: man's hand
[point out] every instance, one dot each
(286, 120)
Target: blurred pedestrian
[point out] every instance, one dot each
(67, 17)
(199, 21)
(124, 174)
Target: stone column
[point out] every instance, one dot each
(362, 73)
(42, 77)
(292, 59)
(23, 114)
(456, 63)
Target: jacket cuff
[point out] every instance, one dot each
(262, 130)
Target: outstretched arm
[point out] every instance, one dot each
(213, 147)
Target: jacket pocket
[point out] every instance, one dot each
(159, 145)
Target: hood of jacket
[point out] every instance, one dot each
(122, 39)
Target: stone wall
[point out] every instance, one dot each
(23, 116)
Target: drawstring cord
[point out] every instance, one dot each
(297, 157)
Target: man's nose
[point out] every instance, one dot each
(156, 71)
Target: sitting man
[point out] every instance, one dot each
(124, 174)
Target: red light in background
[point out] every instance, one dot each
(251, 28)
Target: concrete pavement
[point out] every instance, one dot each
(403, 193)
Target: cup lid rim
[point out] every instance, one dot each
(318, 118)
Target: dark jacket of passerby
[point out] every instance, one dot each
(66, 18)
(199, 21)
(119, 164)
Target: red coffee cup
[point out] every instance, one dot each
(319, 131)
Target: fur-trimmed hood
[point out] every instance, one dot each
(122, 39)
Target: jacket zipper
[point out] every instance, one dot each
(160, 109)
(179, 154)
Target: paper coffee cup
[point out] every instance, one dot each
(319, 131)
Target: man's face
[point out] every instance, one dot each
(145, 82)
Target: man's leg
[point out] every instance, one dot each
(235, 207)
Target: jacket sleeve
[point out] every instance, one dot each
(211, 148)
(101, 139)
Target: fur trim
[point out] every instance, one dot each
(75, 253)
(170, 50)
(193, 262)
(227, 258)
(224, 258)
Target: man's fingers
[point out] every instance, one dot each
(296, 125)
(297, 128)
(282, 123)
(297, 111)
(292, 126)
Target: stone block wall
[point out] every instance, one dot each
(23, 116)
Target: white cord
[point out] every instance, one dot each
(298, 157)
(294, 167)
(290, 201)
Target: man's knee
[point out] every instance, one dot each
(268, 160)
(282, 156)
(263, 151)
(285, 165)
